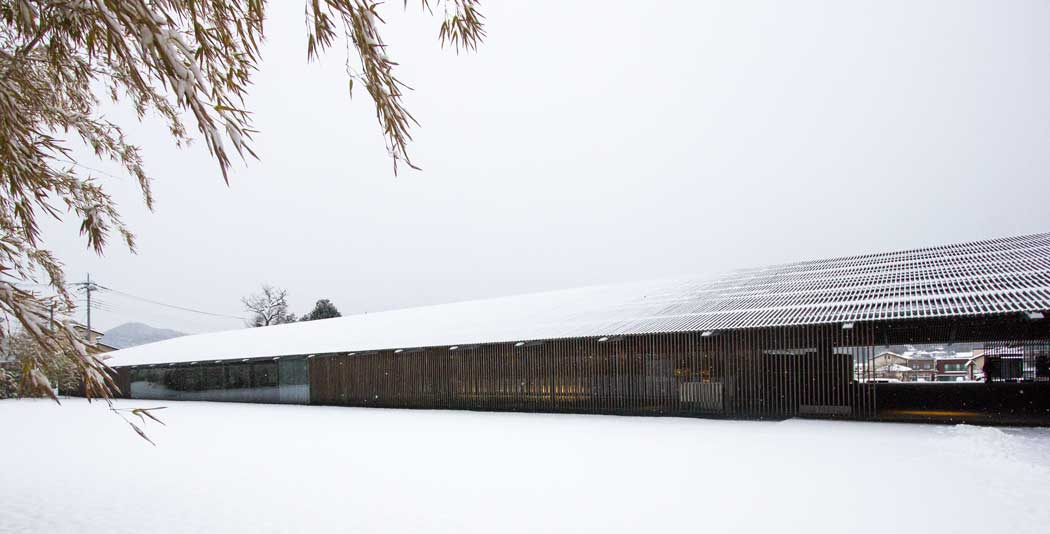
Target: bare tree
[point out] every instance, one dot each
(168, 58)
(268, 307)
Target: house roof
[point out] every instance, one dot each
(917, 355)
(895, 367)
(995, 276)
(909, 355)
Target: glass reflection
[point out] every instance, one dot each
(282, 381)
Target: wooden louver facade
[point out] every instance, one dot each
(751, 374)
(812, 371)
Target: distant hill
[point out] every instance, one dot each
(131, 334)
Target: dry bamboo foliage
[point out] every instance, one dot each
(168, 58)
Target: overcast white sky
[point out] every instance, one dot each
(592, 142)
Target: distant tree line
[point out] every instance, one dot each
(270, 306)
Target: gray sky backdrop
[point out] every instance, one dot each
(591, 142)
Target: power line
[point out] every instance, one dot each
(127, 307)
(166, 305)
(101, 305)
(81, 165)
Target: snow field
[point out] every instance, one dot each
(267, 468)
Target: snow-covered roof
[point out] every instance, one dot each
(916, 355)
(956, 356)
(996, 276)
(895, 367)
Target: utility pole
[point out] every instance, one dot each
(88, 287)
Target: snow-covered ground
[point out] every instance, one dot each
(257, 468)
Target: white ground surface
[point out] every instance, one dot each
(255, 468)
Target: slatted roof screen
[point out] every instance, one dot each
(1008, 275)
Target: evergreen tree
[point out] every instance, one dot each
(324, 309)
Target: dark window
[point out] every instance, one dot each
(1042, 366)
(294, 378)
(213, 377)
(238, 376)
(293, 372)
(264, 375)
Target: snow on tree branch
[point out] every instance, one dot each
(169, 58)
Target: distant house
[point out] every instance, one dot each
(909, 366)
(93, 335)
(917, 365)
(953, 367)
(895, 371)
(99, 346)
